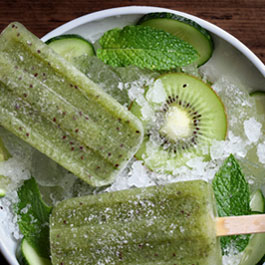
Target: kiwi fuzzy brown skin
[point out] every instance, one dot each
(195, 116)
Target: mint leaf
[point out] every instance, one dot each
(33, 217)
(232, 196)
(145, 47)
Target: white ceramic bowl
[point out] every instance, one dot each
(230, 57)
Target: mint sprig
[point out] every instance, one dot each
(33, 217)
(145, 47)
(232, 196)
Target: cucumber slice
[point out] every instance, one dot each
(184, 29)
(255, 249)
(27, 255)
(71, 46)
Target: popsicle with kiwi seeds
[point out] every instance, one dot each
(55, 108)
(168, 224)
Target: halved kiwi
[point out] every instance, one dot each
(181, 115)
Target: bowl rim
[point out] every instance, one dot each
(138, 10)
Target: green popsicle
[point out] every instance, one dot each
(171, 224)
(54, 107)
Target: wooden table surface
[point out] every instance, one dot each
(244, 19)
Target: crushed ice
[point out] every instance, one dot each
(252, 129)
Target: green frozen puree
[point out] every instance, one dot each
(171, 224)
(51, 105)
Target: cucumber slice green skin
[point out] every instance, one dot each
(184, 29)
(27, 255)
(71, 46)
(255, 250)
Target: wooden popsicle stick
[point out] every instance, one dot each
(237, 225)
